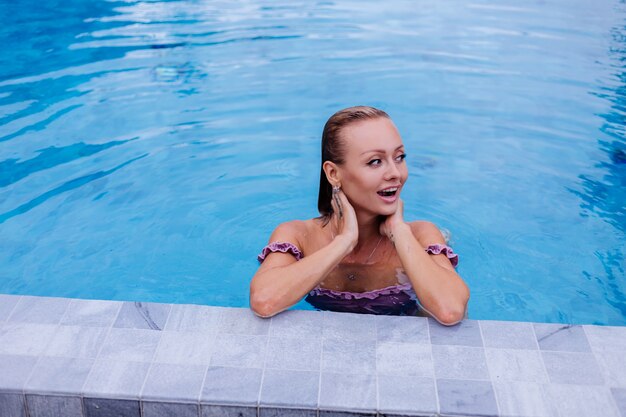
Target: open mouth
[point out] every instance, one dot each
(388, 192)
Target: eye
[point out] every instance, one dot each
(401, 158)
(374, 162)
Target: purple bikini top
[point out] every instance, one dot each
(287, 247)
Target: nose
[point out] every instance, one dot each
(392, 171)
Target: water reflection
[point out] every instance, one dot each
(604, 192)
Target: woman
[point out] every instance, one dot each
(360, 255)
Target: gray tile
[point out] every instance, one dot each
(572, 368)
(25, 339)
(53, 406)
(581, 400)
(7, 303)
(12, 405)
(293, 389)
(110, 378)
(613, 368)
(466, 333)
(237, 386)
(97, 313)
(408, 359)
(194, 318)
(325, 413)
(561, 337)
(180, 383)
(131, 345)
(460, 362)
(247, 351)
(242, 321)
(58, 376)
(136, 315)
(619, 395)
(516, 365)
(185, 348)
(348, 326)
(347, 392)
(297, 323)
(228, 411)
(406, 395)
(296, 353)
(40, 310)
(402, 329)
(353, 356)
(284, 412)
(474, 398)
(155, 409)
(102, 407)
(14, 372)
(76, 342)
(522, 399)
(508, 335)
(606, 338)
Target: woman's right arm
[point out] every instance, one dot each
(281, 281)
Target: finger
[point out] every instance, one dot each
(336, 205)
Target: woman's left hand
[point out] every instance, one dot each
(393, 221)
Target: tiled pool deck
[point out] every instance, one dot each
(68, 357)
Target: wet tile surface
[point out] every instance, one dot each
(348, 392)
(407, 395)
(508, 335)
(137, 315)
(560, 337)
(12, 405)
(53, 406)
(40, 310)
(7, 303)
(167, 382)
(464, 397)
(286, 388)
(96, 313)
(188, 360)
(156, 409)
(58, 376)
(236, 386)
(466, 333)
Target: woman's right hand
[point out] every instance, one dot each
(344, 218)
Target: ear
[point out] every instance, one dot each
(332, 172)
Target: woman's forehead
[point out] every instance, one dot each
(372, 134)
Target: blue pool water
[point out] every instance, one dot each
(148, 149)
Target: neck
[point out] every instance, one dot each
(368, 229)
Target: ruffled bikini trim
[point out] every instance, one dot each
(346, 295)
(283, 247)
(438, 248)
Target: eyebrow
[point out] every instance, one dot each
(381, 150)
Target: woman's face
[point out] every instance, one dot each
(373, 166)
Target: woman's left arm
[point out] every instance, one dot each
(440, 290)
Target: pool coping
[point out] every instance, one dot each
(76, 357)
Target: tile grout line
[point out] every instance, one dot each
(319, 387)
(19, 300)
(432, 361)
(95, 359)
(267, 344)
(495, 395)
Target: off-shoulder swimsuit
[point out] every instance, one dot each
(399, 299)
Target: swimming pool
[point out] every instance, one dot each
(147, 149)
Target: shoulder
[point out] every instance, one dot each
(296, 232)
(427, 232)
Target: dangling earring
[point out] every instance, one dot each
(336, 189)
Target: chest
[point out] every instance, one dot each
(362, 278)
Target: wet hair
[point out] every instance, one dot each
(333, 148)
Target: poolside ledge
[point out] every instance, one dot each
(63, 357)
